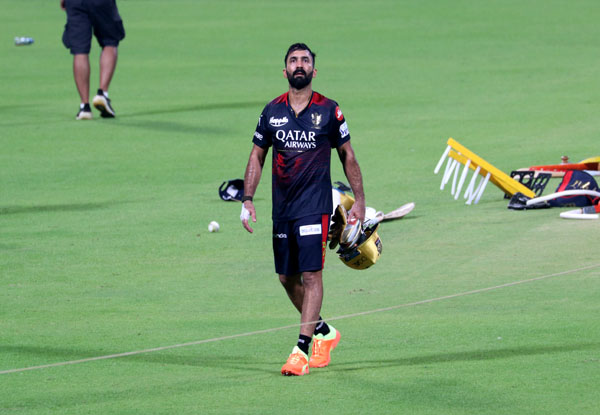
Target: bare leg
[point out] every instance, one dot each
(81, 73)
(294, 288)
(108, 63)
(306, 294)
(313, 299)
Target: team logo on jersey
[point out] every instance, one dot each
(316, 120)
(278, 122)
(344, 130)
(338, 114)
(258, 135)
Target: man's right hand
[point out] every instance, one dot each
(62, 4)
(248, 212)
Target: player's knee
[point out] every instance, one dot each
(312, 277)
(289, 280)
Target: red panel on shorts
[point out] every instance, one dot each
(325, 231)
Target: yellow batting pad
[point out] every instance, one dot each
(591, 160)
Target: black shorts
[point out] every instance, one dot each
(299, 245)
(83, 16)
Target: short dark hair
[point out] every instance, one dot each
(299, 46)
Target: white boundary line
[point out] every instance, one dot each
(253, 333)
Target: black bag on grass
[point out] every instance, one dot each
(576, 180)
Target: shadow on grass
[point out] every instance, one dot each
(195, 108)
(409, 217)
(128, 120)
(12, 106)
(467, 356)
(171, 127)
(69, 207)
(223, 368)
(199, 359)
(156, 111)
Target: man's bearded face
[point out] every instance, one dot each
(299, 78)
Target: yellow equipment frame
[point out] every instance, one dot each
(456, 154)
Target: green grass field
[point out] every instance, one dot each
(104, 247)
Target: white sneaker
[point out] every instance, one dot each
(102, 104)
(85, 113)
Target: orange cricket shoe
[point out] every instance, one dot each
(322, 347)
(297, 363)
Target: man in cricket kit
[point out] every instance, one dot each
(302, 126)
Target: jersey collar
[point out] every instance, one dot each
(310, 102)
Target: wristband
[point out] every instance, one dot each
(244, 198)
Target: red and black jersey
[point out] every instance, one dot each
(301, 153)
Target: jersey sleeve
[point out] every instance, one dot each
(338, 133)
(262, 136)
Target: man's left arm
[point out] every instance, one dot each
(354, 176)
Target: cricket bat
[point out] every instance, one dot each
(397, 213)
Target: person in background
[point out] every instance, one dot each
(100, 17)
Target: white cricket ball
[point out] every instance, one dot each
(213, 226)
